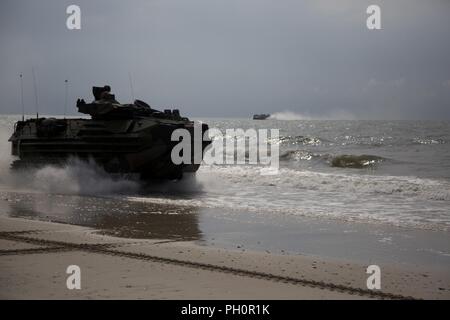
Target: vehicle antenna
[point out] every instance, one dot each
(21, 98)
(35, 93)
(131, 87)
(66, 82)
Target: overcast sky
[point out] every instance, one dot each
(233, 58)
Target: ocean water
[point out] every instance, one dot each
(383, 172)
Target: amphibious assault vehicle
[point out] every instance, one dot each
(121, 138)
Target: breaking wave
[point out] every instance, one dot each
(300, 140)
(298, 155)
(339, 161)
(301, 192)
(355, 162)
(428, 141)
(327, 182)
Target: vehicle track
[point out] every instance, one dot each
(53, 246)
(33, 251)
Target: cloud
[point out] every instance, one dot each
(231, 58)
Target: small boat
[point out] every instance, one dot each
(262, 116)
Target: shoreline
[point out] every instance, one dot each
(35, 254)
(239, 229)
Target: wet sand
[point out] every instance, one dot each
(34, 257)
(130, 250)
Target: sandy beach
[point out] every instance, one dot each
(225, 150)
(34, 256)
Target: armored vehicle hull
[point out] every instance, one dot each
(129, 138)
